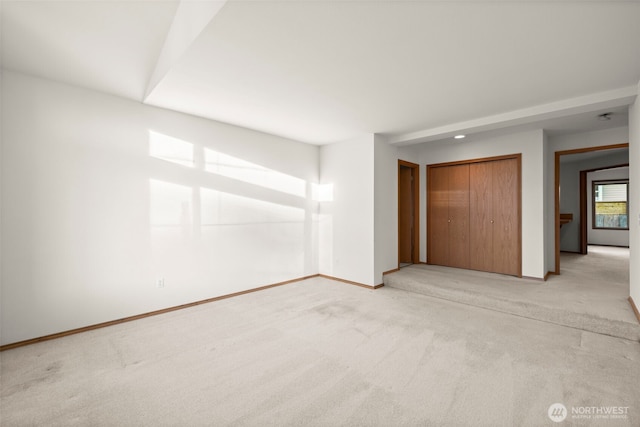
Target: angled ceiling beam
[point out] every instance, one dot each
(582, 104)
(190, 19)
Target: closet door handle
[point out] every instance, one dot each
(491, 221)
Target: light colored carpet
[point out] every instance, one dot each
(590, 294)
(321, 353)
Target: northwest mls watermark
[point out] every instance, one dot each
(558, 412)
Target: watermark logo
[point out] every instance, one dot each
(557, 412)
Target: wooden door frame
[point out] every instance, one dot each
(583, 213)
(415, 194)
(557, 155)
(584, 242)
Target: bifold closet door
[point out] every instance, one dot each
(449, 216)
(481, 217)
(494, 216)
(458, 216)
(438, 251)
(506, 213)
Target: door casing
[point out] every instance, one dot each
(414, 205)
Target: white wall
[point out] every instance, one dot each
(530, 145)
(550, 245)
(549, 207)
(346, 226)
(598, 236)
(634, 197)
(598, 138)
(386, 207)
(358, 227)
(1, 181)
(90, 220)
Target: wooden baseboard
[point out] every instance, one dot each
(546, 276)
(391, 271)
(143, 315)
(170, 309)
(362, 285)
(634, 308)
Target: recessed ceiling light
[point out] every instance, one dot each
(459, 136)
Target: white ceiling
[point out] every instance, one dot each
(110, 46)
(325, 71)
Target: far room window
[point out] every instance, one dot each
(610, 205)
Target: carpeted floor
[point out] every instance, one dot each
(590, 294)
(322, 353)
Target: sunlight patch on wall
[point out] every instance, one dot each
(219, 208)
(199, 231)
(171, 149)
(322, 192)
(242, 170)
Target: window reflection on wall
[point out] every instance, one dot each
(170, 149)
(242, 170)
(322, 192)
(219, 208)
(202, 234)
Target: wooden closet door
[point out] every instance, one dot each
(459, 216)
(481, 216)
(438, 251)
(506, 214)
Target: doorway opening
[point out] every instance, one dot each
(561, 218)
(408, 213)
(587, 215)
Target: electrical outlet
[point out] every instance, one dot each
(160, 283)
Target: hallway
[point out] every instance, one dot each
(590, 293)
